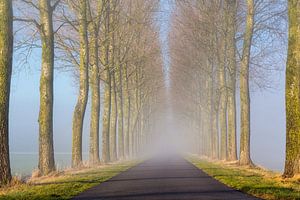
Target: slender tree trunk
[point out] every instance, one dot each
(120, 115)
(106, 120)
(136, 124)
(46, 151)
(80, 108)
(6, 53)
(107, 93)
(244, 88)
(129, 134)
(231, 92)
(214, 116)
(126, 115)
(222, 106)
(95, 94)
(114, 118)
(292, 93)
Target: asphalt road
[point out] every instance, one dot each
(165, 178)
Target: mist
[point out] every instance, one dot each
(170, 130)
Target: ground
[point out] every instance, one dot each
(255, 181)
(63, 185)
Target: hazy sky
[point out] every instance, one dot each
(267, 112)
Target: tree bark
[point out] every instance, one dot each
(6, 53)
(95, 94)
(231, 92)
(222, 103)
(107, 93)
(120, 115)
(292, 93)
(106, 120)
(46, 151)
(114, 118)
(80, 108)
(126, 115)
(244, 88)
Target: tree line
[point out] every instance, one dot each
(110, 46)
(221, 50)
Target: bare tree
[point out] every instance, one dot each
(244, 87)
(80, 108)
(6, 53)
(292, 158)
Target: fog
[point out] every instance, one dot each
(169, 132)
(267, 116)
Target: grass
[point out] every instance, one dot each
(63, 185)
(255, 181)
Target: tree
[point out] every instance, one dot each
(231, 91)
(6, 53)
(46, 151)
(95, 82)
(107, 90)
(292, 92)
(80, 108)
(244, 87)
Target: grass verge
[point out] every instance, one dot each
(63, 185)
(255, 181)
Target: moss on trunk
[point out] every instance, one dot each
(80, 107)
(292, 93)
(6, 52)
(244, 88)
(46, 151)
(231, 91)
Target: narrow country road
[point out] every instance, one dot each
(167, 178)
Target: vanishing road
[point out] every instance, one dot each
(168, 178)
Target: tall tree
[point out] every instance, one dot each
(46, 151)
(231, 88)
(121, 138)
(292, 92)
(95, 83)
(244, 87)
(114, 119)
(222, 102)
(107, 89)
(6, 53)
(80, 108)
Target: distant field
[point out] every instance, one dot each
(22, 164)
(257, 182)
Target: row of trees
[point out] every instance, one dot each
(108, 44)
(220, 50)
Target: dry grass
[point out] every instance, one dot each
(256, 180)
(62, 184)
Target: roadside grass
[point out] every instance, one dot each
(255, 181)
(63, 185)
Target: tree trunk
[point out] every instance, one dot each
(107, 94)
(126, 114)
(46, 151)
(213, 116)
(222, 105)
(120, 115)
(6, 53)
(95, 94)
(231, 92)
(114, 118)
(244, 88)
(80, 108)
(292, 93)
(106, 120)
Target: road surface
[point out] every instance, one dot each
(165, 178)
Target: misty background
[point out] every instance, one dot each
(267, 109)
